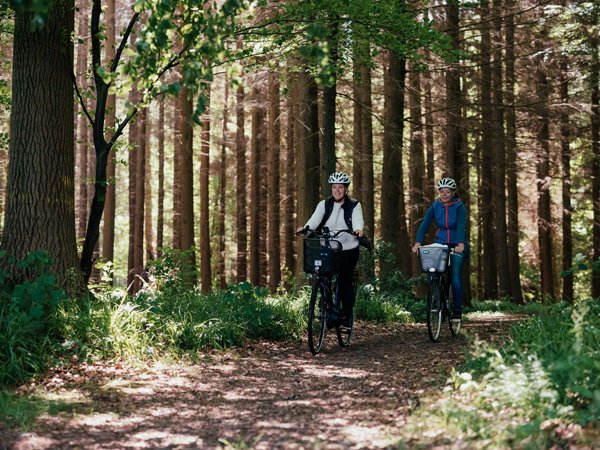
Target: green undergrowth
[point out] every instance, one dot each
(506, 307)
(540, 388)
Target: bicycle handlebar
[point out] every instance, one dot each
(325, 234)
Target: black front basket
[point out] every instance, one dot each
(321, 255)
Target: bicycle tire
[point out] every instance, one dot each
(454, 326)
(435, 313)
(317, 318)
(344, 337)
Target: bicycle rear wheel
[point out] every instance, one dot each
(317, 317)
(344, 334)
(434, 311)
(454, 326)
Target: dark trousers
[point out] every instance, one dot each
(348, 260)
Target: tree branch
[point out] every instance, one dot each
(81, 100)
(115, 63)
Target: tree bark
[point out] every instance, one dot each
(148, 229)
(108, 230)
(595, 120)
(258, 114)
(368, 189)
(177, 137)
(161, 179)
(241, 216)
(357, 136)
(82, 126)
(308, 154)
(222, 187)
(511, 165)
(565, 129)
(328, 159)
(543, 179)
(417, 162)
(41, 147)
(205, 269)
(487, 160)
(290, 183)
(274, 201)
(499, 152)
(140, 175)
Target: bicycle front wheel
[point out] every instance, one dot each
(434, 311)
(344, 334)
(317, 318)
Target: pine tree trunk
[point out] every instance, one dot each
(429, 141)
(454, 160)
(545, 256)
(177, 136)
(368, 186)
(595, 119)
(108, 230)
(328, 158)
(417, 162)
(132, 164)
(205, 269)
(480, 263)
(140, 175)
(565, 129)
(393, 216)
(511, 164)
(307, 169)
(222, 187)
(241, 215)
(465, 177)
(41, 146)
(290, 182)
(274, 201)
(161, 179)
(487, 160)
(148, 229)
(357, 136)
(263, 154)
(257, 124)
(499, 155)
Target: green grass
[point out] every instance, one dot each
(545, 376)
(503, 306)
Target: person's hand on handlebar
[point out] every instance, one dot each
(358, 233)
(415, 249)
(301, 230)
(459, 248)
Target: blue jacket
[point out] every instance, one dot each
(451, 222)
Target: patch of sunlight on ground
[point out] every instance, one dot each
(483, 314)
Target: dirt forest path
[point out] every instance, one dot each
(268, 395)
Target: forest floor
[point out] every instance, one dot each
(267, 395)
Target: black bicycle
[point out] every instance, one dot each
(435, 260)
(321, 259)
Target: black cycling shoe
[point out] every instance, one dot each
(456, 316)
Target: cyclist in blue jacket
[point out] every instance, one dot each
(450, 216)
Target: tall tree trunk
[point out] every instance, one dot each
(499, 152)
(595, 119)
(161, 179)
(429, 141)
(241, 219)
(41, 146)
(222, 186)
(368, 189)
(290, 182)
(177, 136)
(357, 136)
(82, 126)
(393, 215)
(487, 160)
(108, 230)
(511, 164)
(263, 154)
(148, 229)
(131, 166)
(205, 269)
(454, 159)
(328, 158)
(138, 237)
(543, 178)
(480, 264)
(308, 154)
(465, 176)
(417, 161)
(565, 129)
(257, 128)
(274, 200)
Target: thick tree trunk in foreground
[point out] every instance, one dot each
(308, 154)
(41, 147)
(108, 230)
(240, 187)
(205, 269)
(274, 203)
(417, 162)
(511, 165)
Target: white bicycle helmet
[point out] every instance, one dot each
(446, 183)
(339, 178)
